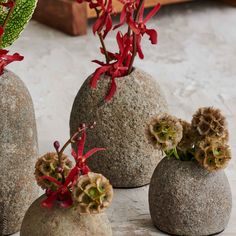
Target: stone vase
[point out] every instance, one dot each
(129, 160)
(57, 221)
(185, 199)
(18, 152)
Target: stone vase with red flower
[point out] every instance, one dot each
(75, 198)
(18, 136)
(121, 97)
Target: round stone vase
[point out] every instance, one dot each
(129, 160)
(185, 199)
(18, 152)
(58, 221)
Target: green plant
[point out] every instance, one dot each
(73, 185)
(204, 139)
(92, 193)
(49, 165)
(14, 15)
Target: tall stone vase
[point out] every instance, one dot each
(18, 152)
(129, 160)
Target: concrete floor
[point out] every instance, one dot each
(195, 64)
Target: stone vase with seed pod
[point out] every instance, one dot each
(91, 194)
(189, 192)
(18, 152)
(129, 160)
(185, 199)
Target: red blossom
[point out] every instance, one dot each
(63, 193)
(119, 64)
(8, 4)
(7, 59)
(81, 158)
(140, 29)
(103, 24)
(127, 11)
(117, 68)
(93, 3)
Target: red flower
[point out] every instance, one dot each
(139, 28)
(121, 63)
(117, 68)
(7, 59)
(8, 4)
(81, 158)
(127, 11)
(104, 21)
(63, 193)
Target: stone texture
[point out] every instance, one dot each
(185, 199)
(57, 221)
(18, 152)
(129, 160)
(194, 63)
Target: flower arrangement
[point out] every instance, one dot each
(74, 185)
(205, 139)
(119, 64)
(14, 15)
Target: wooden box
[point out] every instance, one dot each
(71, 17)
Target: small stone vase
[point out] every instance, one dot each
(57, 221)
(18, 152)
(185, 199)
(129, 160)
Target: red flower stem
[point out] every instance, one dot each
(104, 47)
(135, 37)
(70, 141)
(5, 22)
(102, 40)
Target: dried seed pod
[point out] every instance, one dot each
(48, 165)
(210, 122)
(92, 193)
(188, 139)
(165, 132)
(212, 154)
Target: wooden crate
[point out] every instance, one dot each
(71, 17)
(148, 3)
(65, 15)
(232, 2)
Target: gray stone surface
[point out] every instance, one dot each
(185, 199)
(129, 160)
(18, 152)
(57, 221)
(194, 64)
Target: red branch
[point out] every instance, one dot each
(120, 63)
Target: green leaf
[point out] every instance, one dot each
(20, 16)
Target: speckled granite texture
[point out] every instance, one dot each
(194, 63)
(57, 221)
(129, 160)
(18, 152)
(185, 199)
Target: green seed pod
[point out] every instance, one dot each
(212, 154)
(48, 165)
(209, 122)
(92, 193)
(165, 132)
